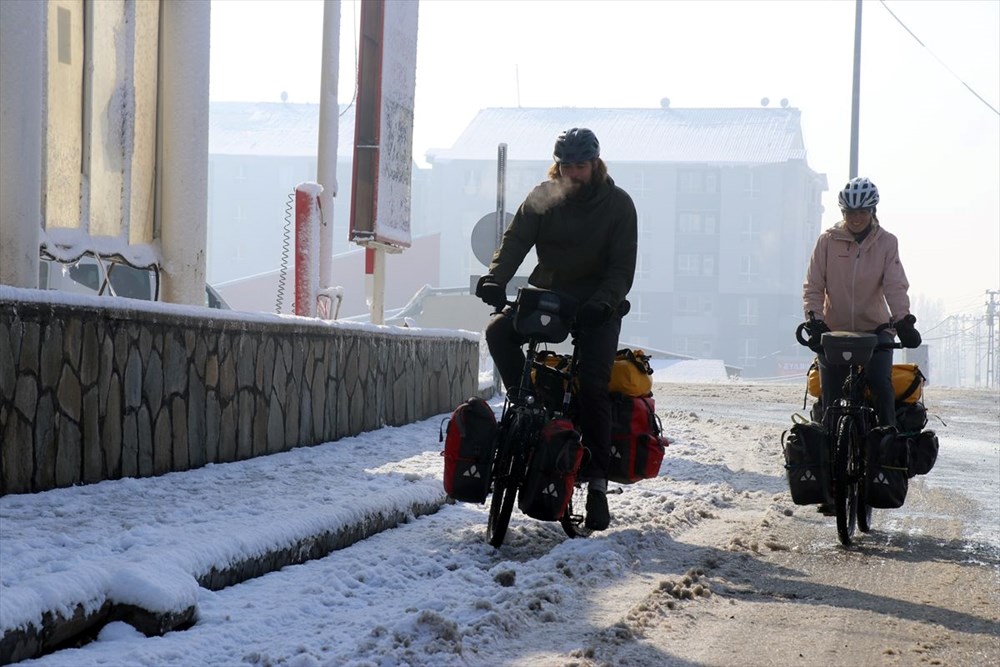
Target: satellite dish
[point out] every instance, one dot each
(484, 236)
(764, 101)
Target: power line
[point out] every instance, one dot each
(992, 108)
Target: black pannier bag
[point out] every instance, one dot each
(807, 461)
(552, 469)
(910, 417)
(923, 453)
(887, 476)
(637, 442)
(470, 441)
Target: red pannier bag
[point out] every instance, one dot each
(555, 460)
(470, 442)
(637, 441)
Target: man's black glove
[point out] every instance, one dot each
(816, 329)
(907, 333)
(491, 292)
(592, 314)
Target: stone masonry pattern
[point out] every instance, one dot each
(104, 392)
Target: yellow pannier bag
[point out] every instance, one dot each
(812, 380)
(631, 373)
(907, 382)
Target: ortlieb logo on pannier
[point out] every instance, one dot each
(637, 443)
(555, 460)
(807, 459)
(888, 465)
(469, 446)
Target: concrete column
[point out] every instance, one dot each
(22, 43)
(329, 127)
(183, 195)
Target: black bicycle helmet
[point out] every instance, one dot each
(576, 145)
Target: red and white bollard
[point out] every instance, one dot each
(308, 218)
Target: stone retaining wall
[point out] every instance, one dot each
(92, 389)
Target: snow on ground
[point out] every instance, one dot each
(430, 592)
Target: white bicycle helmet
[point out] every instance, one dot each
(859, 192)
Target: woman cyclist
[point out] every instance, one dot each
(856, 282)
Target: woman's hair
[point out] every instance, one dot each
(600, 171)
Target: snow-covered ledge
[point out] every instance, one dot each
(94, 388)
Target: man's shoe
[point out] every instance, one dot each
(826, 509)
(598, 516)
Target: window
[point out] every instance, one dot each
(748, 307)
(638, 312)
(641, 261)
(695, 222)
(688, 264)
(116, 87)
(749, 231)
(708, 266)
(750, 185)
(748, 268)
(748, 353)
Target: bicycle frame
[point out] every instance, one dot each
(521, 422)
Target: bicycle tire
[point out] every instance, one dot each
(505, 482)
(573, 523)
(845, 481)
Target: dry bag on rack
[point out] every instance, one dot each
(637, 442)
(888, 475)
(806, 446)
(631, 373)
(470, 440)
(552, 469)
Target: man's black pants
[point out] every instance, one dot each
(597, 347)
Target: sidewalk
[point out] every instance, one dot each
(138, 550)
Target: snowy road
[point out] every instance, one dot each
(699, 566)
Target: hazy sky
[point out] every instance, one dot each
(929, 144)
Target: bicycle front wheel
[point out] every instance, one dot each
(848, 467)
(507, 474)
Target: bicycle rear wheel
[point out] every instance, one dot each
(573, 521)
(507, 473)
(845, 477)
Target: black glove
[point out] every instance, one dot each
(907, 333)
(491, 292)
(816, 330)
(592, 314)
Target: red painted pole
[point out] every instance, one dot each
(307, 264)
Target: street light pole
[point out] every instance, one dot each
(855, 102)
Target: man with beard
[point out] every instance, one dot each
(583, 228)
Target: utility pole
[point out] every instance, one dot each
(991, 313)
(856, 97)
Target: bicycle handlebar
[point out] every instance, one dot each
(804, 328)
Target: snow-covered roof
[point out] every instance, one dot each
(749, 136)
(274, 128)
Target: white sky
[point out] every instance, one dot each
(930, 145)
(430, 592)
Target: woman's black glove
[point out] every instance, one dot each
(907, 333)
(491, 292)
(592, 314)
(816, 329)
